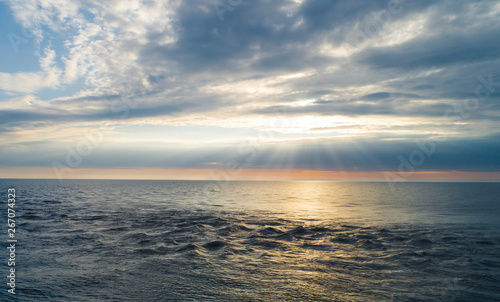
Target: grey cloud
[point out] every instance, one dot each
(391, 107)
(437, 51)
(480, 155)
(423, 76)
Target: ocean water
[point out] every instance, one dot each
(103, 240)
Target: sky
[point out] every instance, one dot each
(239, 89)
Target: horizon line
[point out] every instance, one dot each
(263, 179)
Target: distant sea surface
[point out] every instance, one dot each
(126, 240)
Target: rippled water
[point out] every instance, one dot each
(255, 241)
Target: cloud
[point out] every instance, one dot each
(30, 82)
(332, 68)
(361, 155)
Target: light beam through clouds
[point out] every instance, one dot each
(171, 86)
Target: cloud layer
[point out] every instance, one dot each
(334, 73)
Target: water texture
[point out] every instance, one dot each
(85, 240)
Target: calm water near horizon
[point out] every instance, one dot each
(138, 240)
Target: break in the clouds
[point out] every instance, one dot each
(334, 85)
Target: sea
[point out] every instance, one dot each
(147, 240)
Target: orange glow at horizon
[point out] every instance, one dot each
(242, 174)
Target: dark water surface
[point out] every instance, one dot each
(89, 240)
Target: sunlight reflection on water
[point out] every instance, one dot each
(256, 241)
